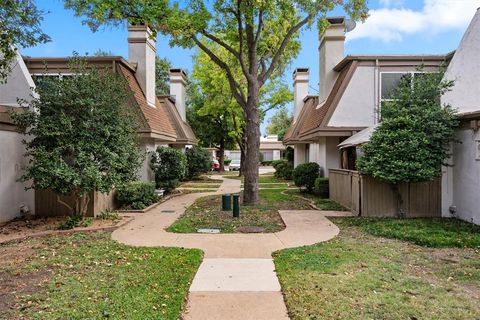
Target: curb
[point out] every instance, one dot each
(150, 207)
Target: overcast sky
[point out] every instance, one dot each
(394, 27)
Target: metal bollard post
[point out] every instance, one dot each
(236, 205)
(226, 202)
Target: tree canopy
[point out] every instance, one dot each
(162, 76)
(260, 36)
(20, 26)
(81, 136)
(279, 123)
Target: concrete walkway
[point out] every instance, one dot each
(237, 278)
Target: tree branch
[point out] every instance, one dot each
(260, 27)
(241, 58)
(234, 86)
(266, 74)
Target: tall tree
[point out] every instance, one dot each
(81, 135)
(19, 26)
(279, 123)
(261, 36)
(162, 74)
(413, 139)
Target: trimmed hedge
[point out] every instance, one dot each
(198, 161)
(137, 195)
(266, 163)
(305, 174)
(321, 187)
(170, 166)
(283, 169)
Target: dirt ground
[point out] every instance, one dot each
(24, 227)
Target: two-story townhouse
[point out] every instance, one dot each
(351, 91)
(162, 119)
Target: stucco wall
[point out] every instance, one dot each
(18, 84)
(356, 108)
(12, 162)
(465, 70)
(461, 182)
(298, 154)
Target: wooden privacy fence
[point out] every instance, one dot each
(47, 205)
(368, 197)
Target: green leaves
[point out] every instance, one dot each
(413, 139)
(82, 136)
(20, 26)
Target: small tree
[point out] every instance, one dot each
(279, 123)
(170, 167)
(198, 161)
(83, 138)
(413, 139)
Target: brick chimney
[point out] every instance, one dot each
(142, 52)
(331, 53)
(178, 82)
(300, 90)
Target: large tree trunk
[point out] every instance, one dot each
(242, 161)
(252, 147)
(221, 156)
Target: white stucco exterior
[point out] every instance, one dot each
(12, 161)
(356, 108)
(464, 69)
(461, 180)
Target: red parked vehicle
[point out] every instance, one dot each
(215, 165)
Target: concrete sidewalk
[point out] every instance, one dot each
(237, 278)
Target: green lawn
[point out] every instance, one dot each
(360, 276)
(206, 213)
(90, 276)
(426, 232)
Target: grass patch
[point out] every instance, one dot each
(360, 276)
(90, 276)
(232, 176)
(430, 232)
(270, 179)
(206, 213)
(199, 185)
(185, 191)
(204, 179)
(321, 203)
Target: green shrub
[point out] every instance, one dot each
(304, 175)
(74, 222)
(137, 195)
(227, 162)
(277, 162)
(108, 214)
(169, 166)
(283, 170)
(321, 187)
(198, 161)
(266, 163)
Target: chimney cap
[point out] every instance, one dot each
(178, 70)
(336, 20)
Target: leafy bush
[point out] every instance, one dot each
(108, 215)
(321, 187)
(304, 175)
(137, 195)
(227, 162)
(198, 161)
(74, 222)
(277, 162)
(170, 166)
(283, 169)
(266, 163)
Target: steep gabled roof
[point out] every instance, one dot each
(182, 129)
(156, 120)
(292, 134)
